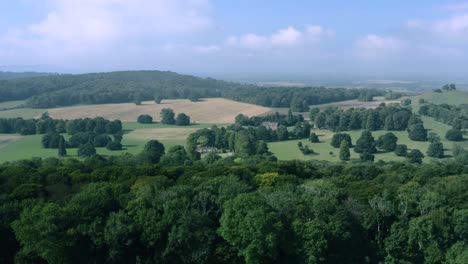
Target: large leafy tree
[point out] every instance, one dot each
(344, 151)
(167, 116)
(417, 132)
(86, 150)
(387, 142)
(252, 226)
(436, 150)
(365, 143)
(153, 151)
(182, 120)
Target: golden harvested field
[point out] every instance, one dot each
(176, 133)
(356, 104)
(211, 110)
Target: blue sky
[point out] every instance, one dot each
(381, 38)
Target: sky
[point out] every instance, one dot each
(265, 37)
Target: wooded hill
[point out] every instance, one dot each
(135, 86)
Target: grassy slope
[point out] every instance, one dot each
(452, 98)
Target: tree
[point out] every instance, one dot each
(338, 138)
(114, 145)
(86, 150)
(365, 143)
(62, 151)
(157, 98)
(320, 120)
(366, 156)
(313, 113)
(417, 132)
(302, 130)
(401, 150)
(449, 87)
(406, 102)
(137, 99)
(344, 151)
(282, 133)
(244, 144)
(454, 135)
(387, 142)
(153, 151)
(389, 123)
(51, 140)
(436, 150)
(246, 222)
(314, 138)
(167, 116)
(145, 119)
(175, 155)
(373, 121)
(262, 147)
(182, 120)
(101, 141)
(415, 156)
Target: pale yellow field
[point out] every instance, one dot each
(356, 104)
(7, 139)
(211, 110)
(176, 133)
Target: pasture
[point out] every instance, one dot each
(288, 150)
(15, 147)
(25, 147)
(211, 110)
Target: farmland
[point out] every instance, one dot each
(204, 114)
(212, 110)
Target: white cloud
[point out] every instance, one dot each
(455, 28)
(317, 33)
(374, 46)
(73, 28)
(287, 37)
(451, 29)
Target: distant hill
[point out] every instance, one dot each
(135, 86)
(18, 75)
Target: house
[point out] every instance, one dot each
(270, 125)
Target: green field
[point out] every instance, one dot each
(11, 104)
(30, 146)
(22, 112)
(26, 147)
(288, 150)
(451, 98)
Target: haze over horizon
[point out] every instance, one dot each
(395, 39)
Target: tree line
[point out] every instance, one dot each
(136, 86)
(283, 120)
(388, 117)
(456, 116)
